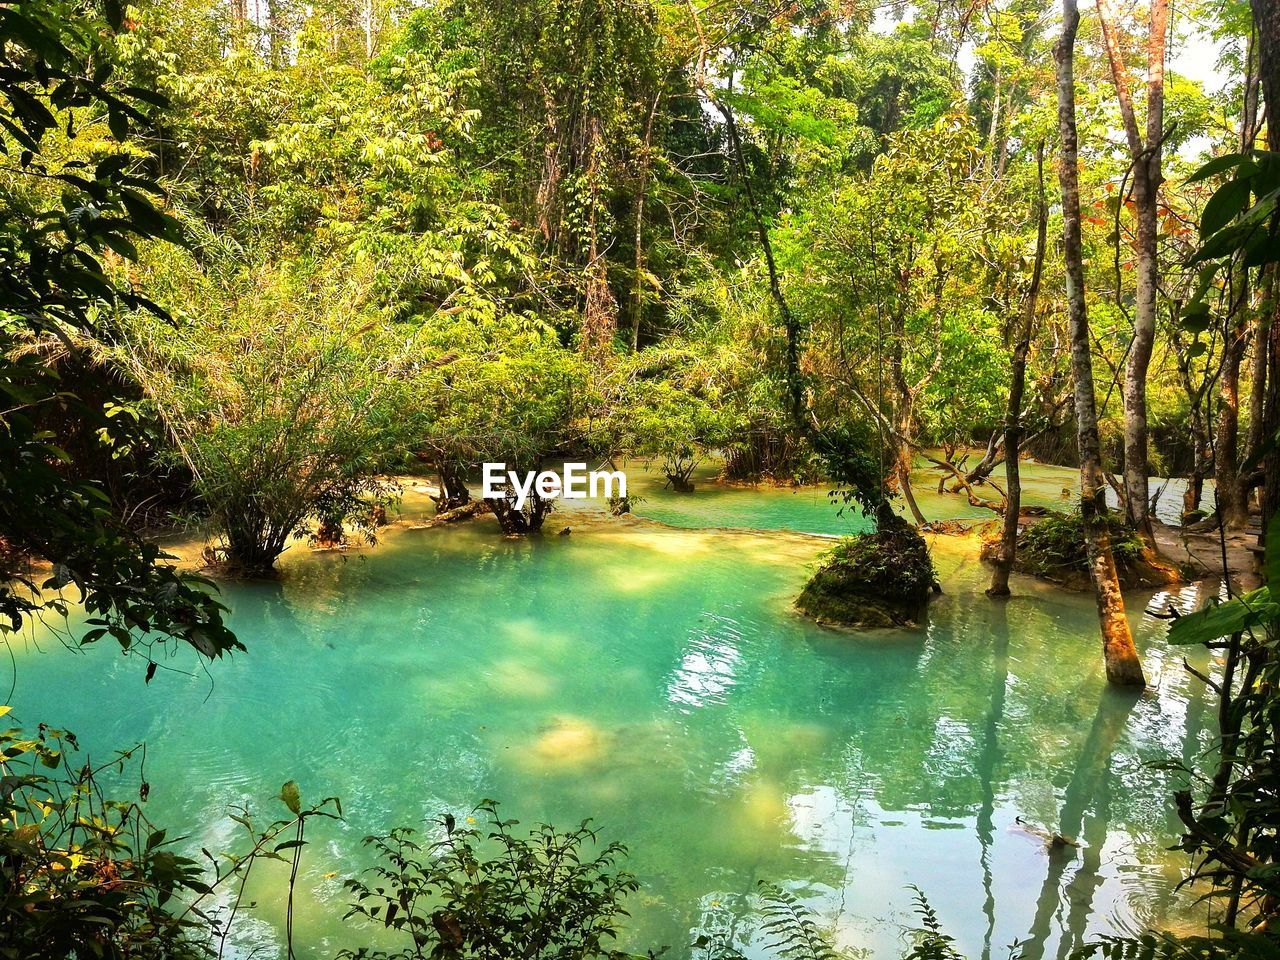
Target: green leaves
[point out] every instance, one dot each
(791, 928)
(1220, 620)
(1225, 205)
(1238, 614)
(479, 889)
(291, 797)
(1239, 218)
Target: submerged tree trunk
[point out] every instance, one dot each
(527, 519)
(1013, 415)
(1119, 653)
(1145, 155)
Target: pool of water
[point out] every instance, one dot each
(809, 509)
(657, 680)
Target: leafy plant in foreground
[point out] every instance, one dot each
(64, 209)
(85, 874)
(792, 930)
(484, 892)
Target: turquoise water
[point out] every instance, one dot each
(656, 680)
(809, 509)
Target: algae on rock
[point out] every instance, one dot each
(872, 580)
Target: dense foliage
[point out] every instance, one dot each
(256, 262)
(487, 891)
(1052, 546)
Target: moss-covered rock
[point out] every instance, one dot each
(1052, 547)
(872, 580)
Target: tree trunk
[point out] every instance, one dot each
(1119, 653)
(1271, 424)
(993, 132)
(642, 184)
(1232, 494)
(1202, 456)
(795, 387)
(903, 420)
(1013, 415)
(1266, 20)
(453, 487)
(1232, 502)
(904, 481)
(1145, 155)
(600, 313)
(1136, 460)
(1258, 375)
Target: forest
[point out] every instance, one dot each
(929, 351)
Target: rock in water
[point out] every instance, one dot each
(872, 580)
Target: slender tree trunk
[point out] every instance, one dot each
(903, 419)
(993, 132)
(1202, 457)
(1266, 20)
(600, 313)
(642, 184)
(795, 387)
(1271, 417)
(1136, 459)
(1258, 378)
(1232, 495)
(1232, 503)
(547, 200)
(1119, 653)
(1145, 155)
(1013, 415)
(903, 467)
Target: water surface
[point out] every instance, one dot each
(657, 680)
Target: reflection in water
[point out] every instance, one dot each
(706, 671)
(659, 682)
(1088, 791)
(987, 758)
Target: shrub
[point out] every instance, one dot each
(483, 891)
(1055, 545)
(285, 403)
(83, 874)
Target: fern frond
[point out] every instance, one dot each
(930, 942)
(791, 927)
(1234, 945)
